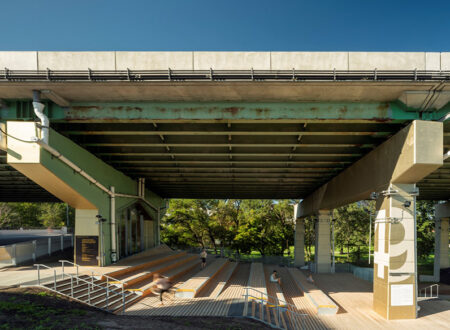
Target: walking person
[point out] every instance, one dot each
(203, 256)
(161, 284)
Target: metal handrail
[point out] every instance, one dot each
(69, 262)
(108, 278)
(424, 290)
(281, 306)
(92, 273)
(39, 273)
(90, 284)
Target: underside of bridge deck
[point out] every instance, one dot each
(225, 150)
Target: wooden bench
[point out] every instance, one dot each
(323, 304)
(191, 287)
(156, 260)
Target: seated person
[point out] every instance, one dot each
(275, 278)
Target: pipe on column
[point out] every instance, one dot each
(113, 225)
(39, 111)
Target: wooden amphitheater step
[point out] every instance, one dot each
(274, 289)
(323, 304)
(192, 287)
(141, 257)
(256, 279)
(215, 287)
(146, 274)
(154, 261)
(174, 273)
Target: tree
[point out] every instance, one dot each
(425, 228)
(352, 226)
(8, 216)
(53, 215)
(310, 236)
(34, 215)
(243, 225)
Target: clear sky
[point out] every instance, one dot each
(247, 25)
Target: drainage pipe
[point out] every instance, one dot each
(447, 155)
(446, 117)
(39, 111)
(113, 225)
(77, 169)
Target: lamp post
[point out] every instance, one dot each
(100, 221)
(333, 265)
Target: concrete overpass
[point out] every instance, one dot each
(328, 128)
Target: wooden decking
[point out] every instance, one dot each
(353, 295)
(276, 296)
(256, 278)
(205, 306)
(302, 304)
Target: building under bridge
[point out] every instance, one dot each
(115, 134)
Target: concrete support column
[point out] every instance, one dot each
(299, 244)
(443, 249)
(395, 264)
(441, 257)
(323, 242)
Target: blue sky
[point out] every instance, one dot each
(247, 25)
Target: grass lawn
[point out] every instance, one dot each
(425, 266)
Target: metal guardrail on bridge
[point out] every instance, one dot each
(222, 75)
(19, 253)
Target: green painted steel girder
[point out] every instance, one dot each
(223, 111)
(230, 133)
(233, 154)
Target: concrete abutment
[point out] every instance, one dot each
(94, 189)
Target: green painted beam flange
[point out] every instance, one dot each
(224, 111)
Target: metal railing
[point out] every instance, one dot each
(223, 75)
(286, 261)
(109, 279)
(68, 262)
(282, 310)
(91, 287)
(39, 273)
(429, 289)
(23, 252)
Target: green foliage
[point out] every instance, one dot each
(425, 228)
(267, 226)
(309, 237)
(41, 316)
(352, 226)
(34, 215)
(243, 225)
